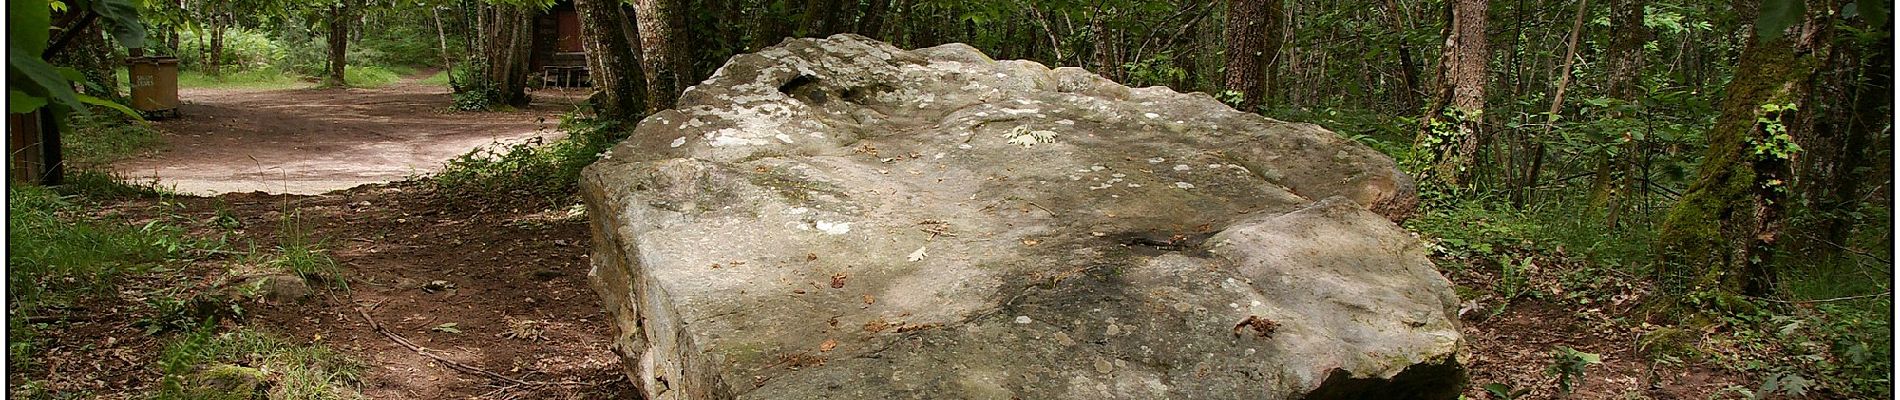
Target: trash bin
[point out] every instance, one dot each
(154, 85)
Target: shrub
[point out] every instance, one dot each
(544, 173)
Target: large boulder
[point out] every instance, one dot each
(841, 219)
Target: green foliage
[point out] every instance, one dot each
(544, 173)
(472, 90)
(244, 50)
(200, 364)
(1503, 391)
(1568, 365)
(32, 82)
(1776, 145)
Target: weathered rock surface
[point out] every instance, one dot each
(842, 219)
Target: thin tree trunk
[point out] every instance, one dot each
(663, 52)
(1626, 61)
(613, 59)
(442, 38)
(1408, 67)
(1453, 130)
(216, 61)
(1556, 106)
(1107, 61)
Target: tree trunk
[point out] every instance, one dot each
(214, 65)
(510, 42)
(1625, 58)
(872, 24)
(1719, 235)
(339, 41)
(1834, 162)
(1246, 46)
(1108, 60)
(821, 17)
(1452, 129)
(663, 52)
(613, 59)
(442, 38)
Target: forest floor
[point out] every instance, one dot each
(505, 290)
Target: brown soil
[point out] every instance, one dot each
(310, 141)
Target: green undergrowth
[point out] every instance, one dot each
(247, 79)
(95, 140)
(545, 173)
(74, 255)
(375, 75)
(245, 364)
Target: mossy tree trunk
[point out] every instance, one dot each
(1718, 238)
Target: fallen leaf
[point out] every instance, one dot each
(811, 256)
(876, 325)
(449, 327)
(837, 281)
(828, 345)
(919, 254)
(868, 299)
(1031, 242)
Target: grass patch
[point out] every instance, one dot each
(247, 364)
(96, 140)
(263, 78)
(548, 174)
(439, 78)
(375, 76)
(298, 253)
(52, 252)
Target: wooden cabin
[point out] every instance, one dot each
(557, 54)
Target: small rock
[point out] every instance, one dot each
(1024, 319)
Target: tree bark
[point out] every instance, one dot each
(1246, 49)
(214, 64)
(1718, 237)
(663, 52)
(510, 36)
(1452, 130)
(613, 59)
(872, 24)
(1834, 162)
(339, 41)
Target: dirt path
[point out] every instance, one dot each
(310, 141)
